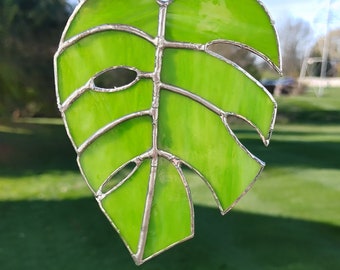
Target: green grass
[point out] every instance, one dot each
(289, 220)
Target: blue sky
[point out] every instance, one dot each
(313, 11)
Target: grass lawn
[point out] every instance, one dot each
(289, 220)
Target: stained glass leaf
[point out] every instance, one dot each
(143, 96)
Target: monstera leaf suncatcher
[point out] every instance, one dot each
(135, 133)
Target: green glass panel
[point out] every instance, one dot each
(125, 206)
(99, 109)
(115, 148)
(102, 50)
(171, 216)
(222, 84)
(202, 21)
(142, 14)
(180, 126)
(198, 136)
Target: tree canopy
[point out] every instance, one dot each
(296, 36)
(333, 54)
(29, 35)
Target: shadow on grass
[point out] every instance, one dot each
(300, 115)
(35, 148)
(75, 235)
(43, 148)
(303, 152)
(313, 154)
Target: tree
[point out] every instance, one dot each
(295, 35)
(29, 33)
(333, 54)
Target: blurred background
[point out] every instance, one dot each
(290, 218)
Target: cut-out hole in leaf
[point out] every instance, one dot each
(246, 134)
(243, 57)
(118, 177)
(118, 77)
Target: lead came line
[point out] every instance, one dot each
(154, 112)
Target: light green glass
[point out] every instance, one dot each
(94, 110)
(171, 213)
(199, 138)
(221, 84)
(114, 149)
(139, 141)
(245, 22)
(125, 206)
(142, 14)
(73, 63)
